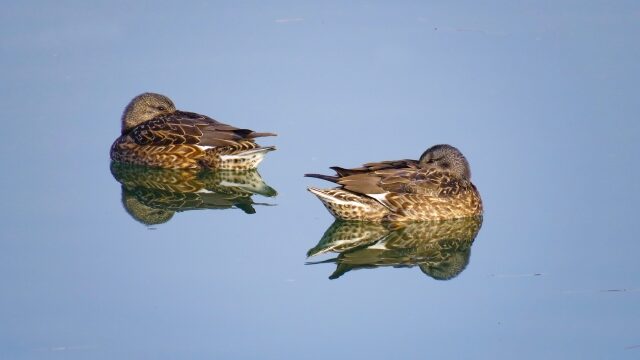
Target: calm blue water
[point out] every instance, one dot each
(541, 98)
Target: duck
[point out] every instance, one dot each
(155, 134)
(437, 186)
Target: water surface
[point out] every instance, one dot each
(542, 99)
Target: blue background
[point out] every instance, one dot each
(542, 98)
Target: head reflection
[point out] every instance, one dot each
(152, 195)
(441, 249)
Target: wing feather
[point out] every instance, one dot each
(183, 127)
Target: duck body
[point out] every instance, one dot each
(402, 190)
(155, 134)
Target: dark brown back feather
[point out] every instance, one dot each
(374, 166)
(183, 127)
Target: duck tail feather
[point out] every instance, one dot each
(261, 134)
(323, 177)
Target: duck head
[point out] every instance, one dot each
(446, 158)
(145, 107)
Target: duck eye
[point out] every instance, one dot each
(162, 108)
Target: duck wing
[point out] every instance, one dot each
(183, 127)
(375, 166)
(368, 168)
(411, 180)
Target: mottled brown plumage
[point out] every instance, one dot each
(155, 134)
(441, 249)
(436, 187)
(153, 195)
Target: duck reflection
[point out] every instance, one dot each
(441, 249)
(153, 195)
